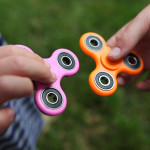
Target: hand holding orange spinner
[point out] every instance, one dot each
(103, 80)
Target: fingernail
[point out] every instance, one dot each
(47, 64)
(53, 77)
(115, 52)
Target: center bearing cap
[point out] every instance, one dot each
(112, 65)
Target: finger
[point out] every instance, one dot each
(122, 79)
(127, 38)
(7, 116)
(12, 50)
(14, 87)
(23, 66)
(144, 85)
(125, 79)
(112, 41)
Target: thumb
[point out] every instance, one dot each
(7, 116)
(128, 36)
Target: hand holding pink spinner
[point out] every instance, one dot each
(63, 63)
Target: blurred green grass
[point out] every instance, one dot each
(90, 122)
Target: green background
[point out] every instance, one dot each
(90, 122)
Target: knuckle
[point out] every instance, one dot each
(11, 50)
(18, 62)
(122, 39)
(125, 28)
(125, 37)
(39, 58)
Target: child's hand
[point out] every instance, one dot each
(18, 67)
(135, 35)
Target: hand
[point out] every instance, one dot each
(135, 35)
(18, 67)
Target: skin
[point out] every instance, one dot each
(135, 35)
(18, 68)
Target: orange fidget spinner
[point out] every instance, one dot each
(103, 80)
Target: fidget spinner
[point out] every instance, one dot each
(103, 80)
(51, 99)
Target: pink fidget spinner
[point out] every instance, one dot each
(63, 63)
